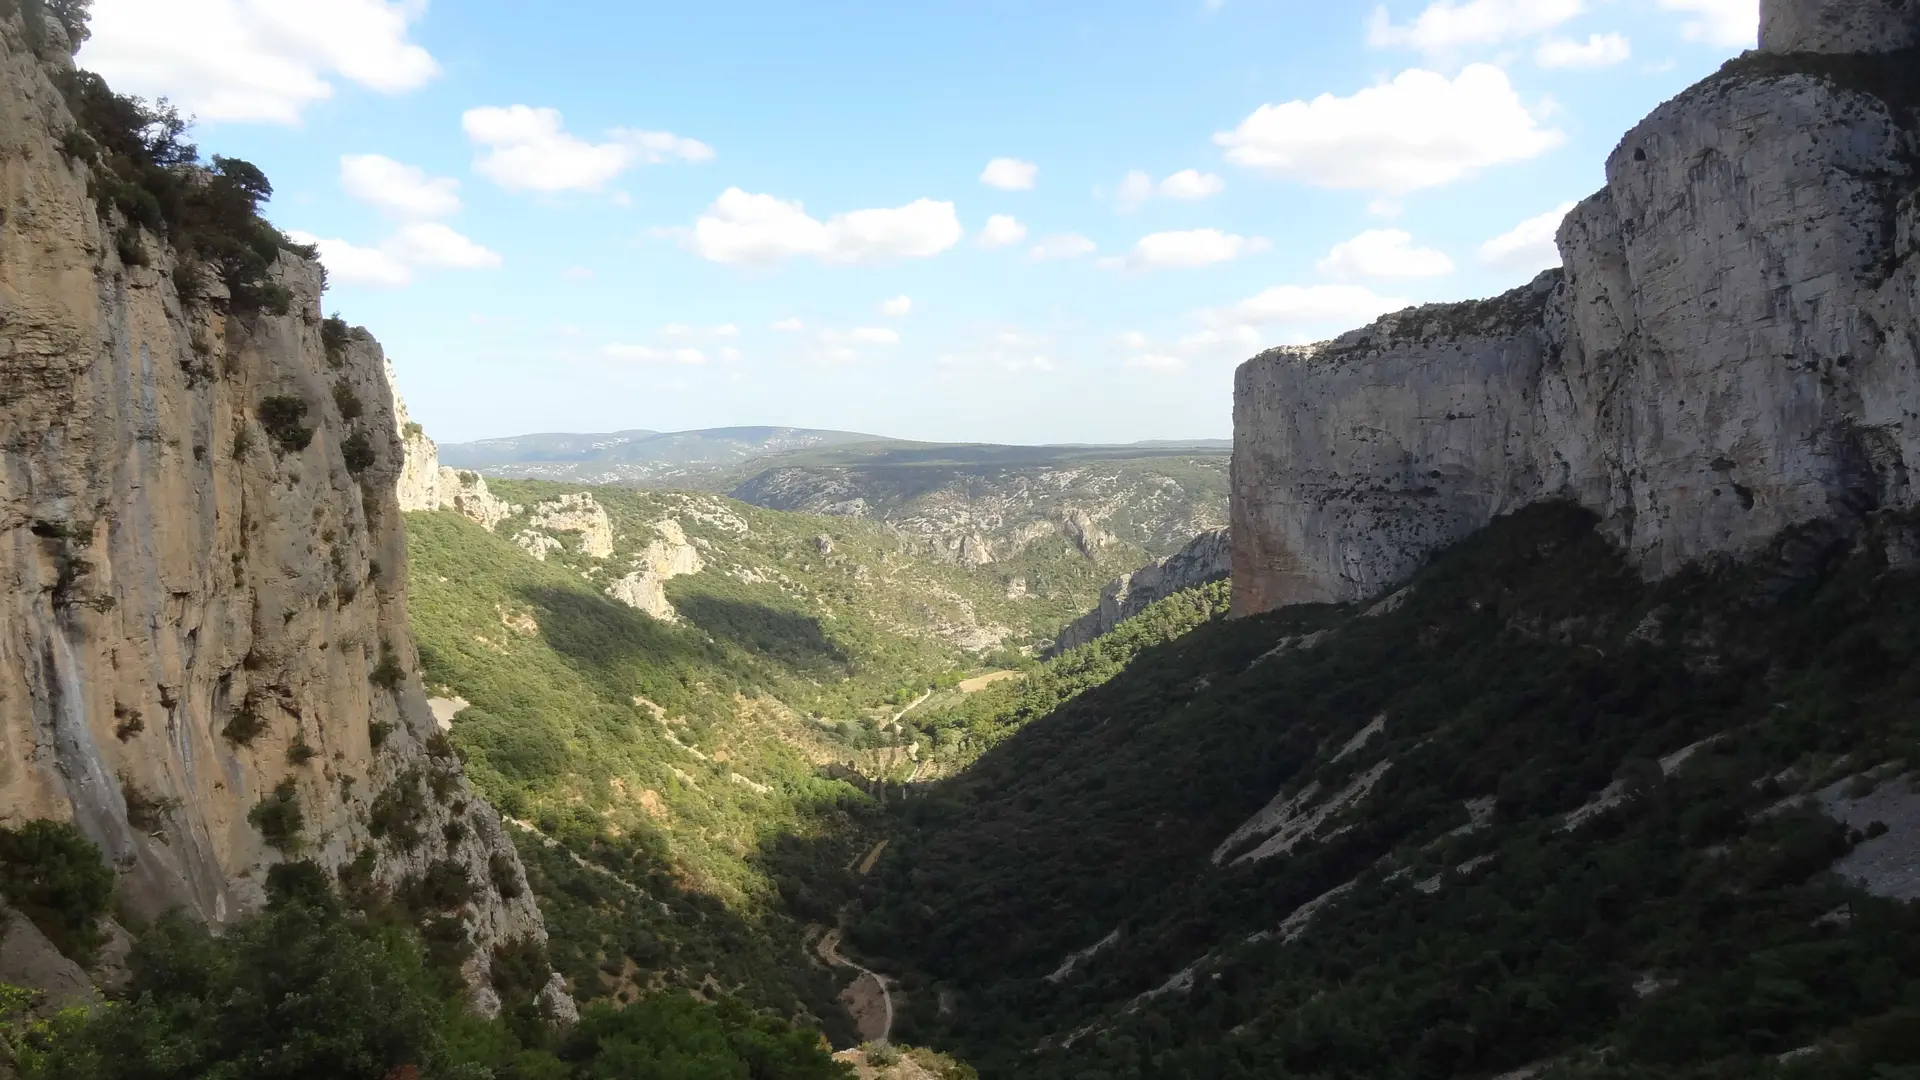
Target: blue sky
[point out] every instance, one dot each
(992, 220)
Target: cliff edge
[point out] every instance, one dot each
(205, 661)
(1729, 351)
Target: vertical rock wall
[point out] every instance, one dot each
(1729, 351)
(173, 573)
(1839, 26)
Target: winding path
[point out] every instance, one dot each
(828, 949)
(917, 702)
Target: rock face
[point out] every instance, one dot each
(669, 557)
(1839, 26)
(1729, 351)
(425, 484)
(986, 514)
(1207, 558)
(576, 513)
(174, 573)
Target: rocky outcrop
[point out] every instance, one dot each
(1839, 26)
(1207, 558)
(578, 513)
(669, 557)
(427, 485)
(1729, 351)
(202, 570)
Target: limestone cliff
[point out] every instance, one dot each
(202, 571)
(1207, 558)
(425, 484)
(1730, 349)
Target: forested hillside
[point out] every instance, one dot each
(719, 758)
(1530, 813)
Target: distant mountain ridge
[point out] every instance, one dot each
(636, 457)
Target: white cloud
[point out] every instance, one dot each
(897, 308)
(788, 326)
(402, 190)
(1446, 25)
(741, 227)
(350, 265)
(648, 354)
(1158, 363)
(391, 265)
(1191, 185)
(1187, 185)
(1191, 248)
(259, 60)
(1002, 231)
(726, 330)
(1005, 351)
(1236, 342)
(661, 147)
(577, 273)
(1418, 131)
(1598, 51)
(729, 354)
(1383, 253)
(1224, 341)
(429, 243)
(1062, 246)
(1730, 23)
(1529, 246)
(528, 149)
(1305, 305)
(1135, 189)
(874, 335)
(1010, 174)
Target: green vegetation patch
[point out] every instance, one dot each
(57, 878)
(1686, 924)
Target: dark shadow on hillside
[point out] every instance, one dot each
(622, 921)
(610, 642)
(787, 637)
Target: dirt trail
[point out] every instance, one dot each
(868, 998)
(917, 702)
(864, 865)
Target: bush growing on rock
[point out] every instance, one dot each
(57, 878)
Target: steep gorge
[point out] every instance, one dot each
(202, 566)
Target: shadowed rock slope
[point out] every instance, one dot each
(1530, 812)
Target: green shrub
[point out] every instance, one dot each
(444, 887)
(334, 336)
(279, 818)
(358, 453)
(132, 251)
(145, 811)
(346, 400)
(299, 752)
(388, 674)
(57, 878)
(377, 733)
(244, 726)
(302, 990)
(397, 812)
(144, 168)
(242, 442)
(283, 418)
